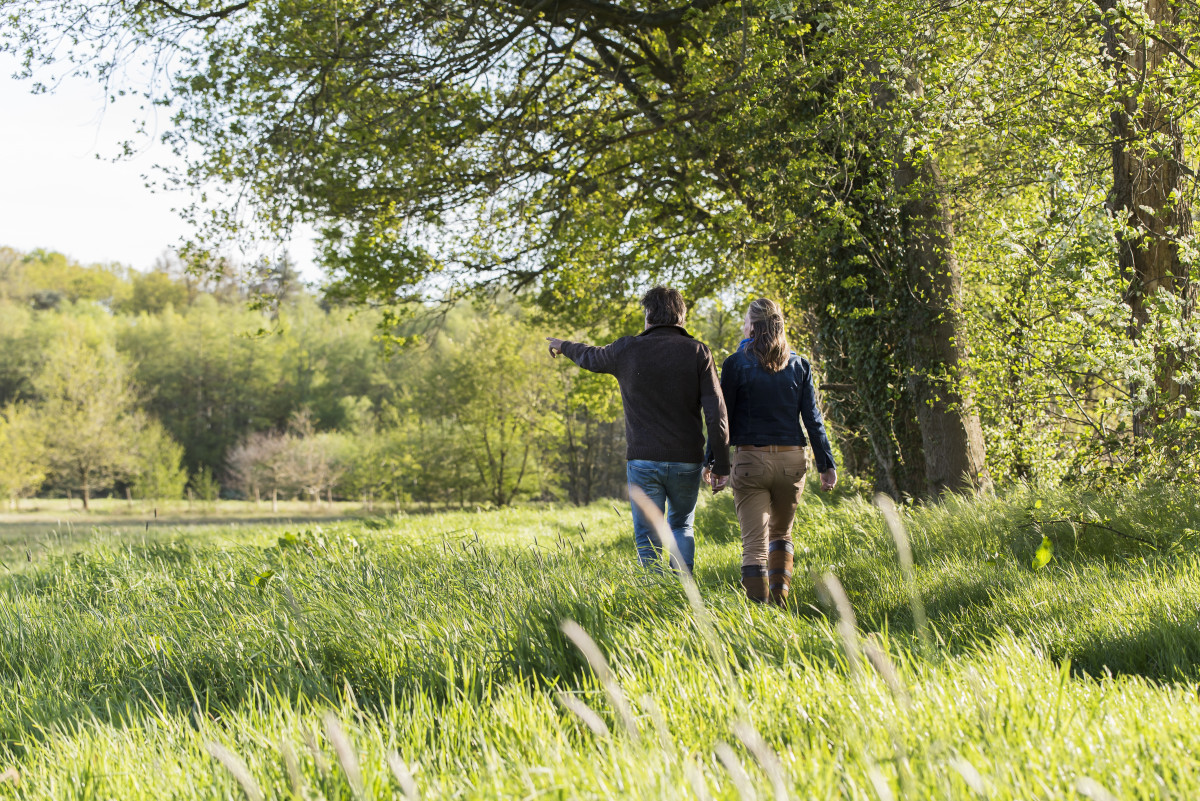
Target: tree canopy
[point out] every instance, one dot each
(873, 164)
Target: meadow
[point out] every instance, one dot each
(425, 655)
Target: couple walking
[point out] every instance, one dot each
(668, 381)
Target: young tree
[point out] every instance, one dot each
(154, 291)
(591, 450)
(494, 387)
(158, 473)
(90, 422)
(22, 455)
(256, 465)
(209, 380)
(311, 462)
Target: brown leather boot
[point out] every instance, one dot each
(754, 582)
(779, 570)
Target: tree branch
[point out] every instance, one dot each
(220, 13)
(610, 14)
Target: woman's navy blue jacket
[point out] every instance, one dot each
(767, 408)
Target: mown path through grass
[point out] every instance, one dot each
(124, 666)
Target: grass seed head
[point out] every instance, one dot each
(595, 658)
(767, 759)
(904, 553)
(882, 789)
(1093, 790)
(292, 765)
(737, 773)
(404, 776)
(696, 779)
(345, 752)
(831, 590)
(584, 712)
(969, 775)
(879, 659)
(237, 768)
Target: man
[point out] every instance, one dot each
(667, 380)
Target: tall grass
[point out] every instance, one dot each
(426, 656)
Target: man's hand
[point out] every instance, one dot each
(555, 346)
(829, 479)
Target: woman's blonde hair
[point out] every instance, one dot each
(768, 340)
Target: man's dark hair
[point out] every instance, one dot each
(664, 306)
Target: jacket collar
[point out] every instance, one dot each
(666, 329)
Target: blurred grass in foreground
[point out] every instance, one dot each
(435, 640)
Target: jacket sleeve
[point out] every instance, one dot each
(716, 418)
(592, 358)
(729, 395)
(810, 413)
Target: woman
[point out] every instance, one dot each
(768, 392)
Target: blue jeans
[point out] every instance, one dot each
(673, 485)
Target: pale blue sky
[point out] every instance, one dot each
(55, 193)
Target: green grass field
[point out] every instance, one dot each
(424, 656)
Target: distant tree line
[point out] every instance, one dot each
(151, 384)
(154, 384)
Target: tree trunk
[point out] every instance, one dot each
(274, 500)
(891, 298)
(86, 498)
(857, 344)
(1147, 200)
(951, 433)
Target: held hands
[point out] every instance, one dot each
(555, 346)
(829, 479)
(717, 483)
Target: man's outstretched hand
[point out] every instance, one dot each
(555, 346)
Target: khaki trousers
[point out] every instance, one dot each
(766, 489)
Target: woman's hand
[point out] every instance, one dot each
(555, 346)
(829, 479)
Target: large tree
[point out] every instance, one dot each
(1146, 45)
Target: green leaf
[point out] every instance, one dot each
(290, 540)
(260, 581)
(1044, 553)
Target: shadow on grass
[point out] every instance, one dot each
(1166, 650)
(1068, 617)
